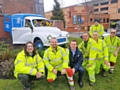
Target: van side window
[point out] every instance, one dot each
(27, 23)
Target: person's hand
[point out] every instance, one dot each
(38, 75)
(54, 71)
(63, 71)
(115, 54)
(73, 69)
(107, 63)
(89, 65)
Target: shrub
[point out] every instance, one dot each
(7, 68)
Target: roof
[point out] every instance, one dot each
(23, 15)
(34, 17)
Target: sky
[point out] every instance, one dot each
(48, 4)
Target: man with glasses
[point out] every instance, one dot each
(113, 43)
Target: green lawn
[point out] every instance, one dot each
(111, 82)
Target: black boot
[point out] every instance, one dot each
(80, 84)
(103, 73)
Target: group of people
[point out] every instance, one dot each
(93, 55)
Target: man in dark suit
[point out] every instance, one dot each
(76, 59)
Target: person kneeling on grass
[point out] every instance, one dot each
(76, 60)
(28, 66)
(56, 59)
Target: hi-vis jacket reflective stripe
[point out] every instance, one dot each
(101, 50)
(85, 51)
(56, 59)
(28, 65)
(99, 29)
(112, 43)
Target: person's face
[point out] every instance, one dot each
(54, 43)
(73, 45)
(95, 36)
(96, 23)
(85, 37)
(29, 48)
(113, 33)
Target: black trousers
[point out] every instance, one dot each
(26, 79)
(80, 71)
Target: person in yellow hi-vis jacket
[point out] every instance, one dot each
(85, 48)
(98, 58)
(56, 60)
(98, 28)
(28, 66)
(113, 43)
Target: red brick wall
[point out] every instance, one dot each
(3, 34)
(16, 6)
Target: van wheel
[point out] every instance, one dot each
(39, 44)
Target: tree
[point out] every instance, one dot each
(57, 13)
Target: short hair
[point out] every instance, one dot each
(96, 20)
(113, 29)
(74, 41)
(95, 32)
(86, 33)
(53, 38)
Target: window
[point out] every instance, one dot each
(107, 20)
(40, 1)
(95, 10)
(114, 1)
(0, 8)
(104, 9)
(95, 4)
(78, 19)
(91, 20)
(36, 7)
(104, 20)
(69, 14)
(74, 19)
(104, 3)
(118, 10)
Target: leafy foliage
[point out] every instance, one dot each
(7, 68)
(57, 12)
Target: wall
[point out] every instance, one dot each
(85, 14)
(3, 34)
(16, 6)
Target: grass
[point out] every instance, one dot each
(111, 82)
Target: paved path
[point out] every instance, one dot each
(75, 34)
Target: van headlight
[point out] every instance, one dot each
(67, 35)
(49, 37)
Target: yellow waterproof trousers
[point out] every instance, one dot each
(95, 69)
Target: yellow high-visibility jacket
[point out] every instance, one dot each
(99, 29)
(28, 64)
(55, 59)
(112, 43)
(86, 51)
(101, 51)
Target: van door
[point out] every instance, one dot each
(21, 35)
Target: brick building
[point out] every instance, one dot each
(3, 34)
(83, 13)
(18, 6)
(111, 7)
(22, 6)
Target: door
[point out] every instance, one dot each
(21, 35)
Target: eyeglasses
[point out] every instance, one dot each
(113, 32)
